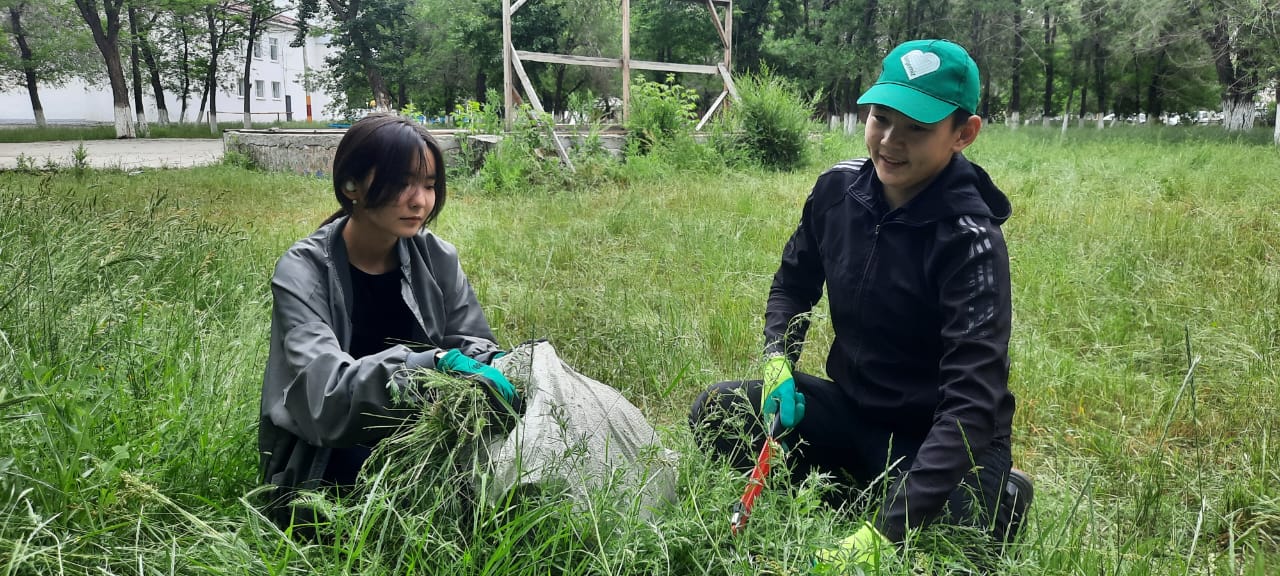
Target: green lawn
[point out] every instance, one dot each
(108, 132)
(134, 313)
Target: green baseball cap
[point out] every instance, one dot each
(927, 80)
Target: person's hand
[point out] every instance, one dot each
(865, 549)
(461, 364)
(779, 395)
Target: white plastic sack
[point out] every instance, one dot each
(576, 435)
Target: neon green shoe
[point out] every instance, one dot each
(859, 553)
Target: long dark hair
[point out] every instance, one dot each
(392, 147)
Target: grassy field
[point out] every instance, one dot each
(108, 131)
(134, 313)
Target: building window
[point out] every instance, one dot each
(259, 89)
(257, 48)
(240, 88)
(275, 49)
(275, 90)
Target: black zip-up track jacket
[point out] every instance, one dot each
(920, 306)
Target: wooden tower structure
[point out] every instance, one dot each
(513, 60)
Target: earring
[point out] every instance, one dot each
(350, 186)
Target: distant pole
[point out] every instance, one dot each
(306, 78)
(626, 61)
(508, 103)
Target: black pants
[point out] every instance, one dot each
(858, 450)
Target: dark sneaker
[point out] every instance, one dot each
(1018, 495)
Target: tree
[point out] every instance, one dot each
(105, 26)
(223, 26)
(145, 44)
(136, 70)
(359, 30)
(825, 54)
(180, 27)
(258, 13)
(44, 46)
(582, 27)
(1015, 79)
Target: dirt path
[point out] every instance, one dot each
(123, 154)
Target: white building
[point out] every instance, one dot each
(276, 87)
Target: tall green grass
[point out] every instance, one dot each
(134, 317)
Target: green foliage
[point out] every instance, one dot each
(61, 47)
(409, 110)
(238, 159)
(79, 159)
(660, 111)
(25, 163)
(476, 118)
(523, 160)
(772, 122)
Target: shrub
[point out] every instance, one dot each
(660, 111)
(523, 159)
(773, 121)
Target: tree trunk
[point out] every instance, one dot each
(482, 87)
(211, 76)
(1155, 103)
(1015, 96)
(136, 70)
(382, 98)
(1275, 133)
(1238, 112)
(157, 88)
(1049, 37)
(105, 38)
(1238, 88)
(28, 67)
(204, 96)
(248, 66)
(556, 103)
(186, 74)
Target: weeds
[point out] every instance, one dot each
(79, 159)
(660, 111)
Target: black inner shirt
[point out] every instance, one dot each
(379, 317)
(379, 320)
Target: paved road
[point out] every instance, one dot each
(124, 154)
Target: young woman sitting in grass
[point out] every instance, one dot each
(350, 300)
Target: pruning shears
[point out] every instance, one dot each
(742, 508)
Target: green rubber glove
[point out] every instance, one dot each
(865, 549)
(779, 395)
(461, 364)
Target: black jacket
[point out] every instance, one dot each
(920, 306)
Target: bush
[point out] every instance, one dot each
(523, 160)
(660, 111)
(773, 121)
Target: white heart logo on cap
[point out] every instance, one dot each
(918, 63)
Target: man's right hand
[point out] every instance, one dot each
(779, 395)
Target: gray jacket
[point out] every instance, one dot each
(315, 396)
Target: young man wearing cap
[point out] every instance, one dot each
(908, 244)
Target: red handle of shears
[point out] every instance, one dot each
(742, 509)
